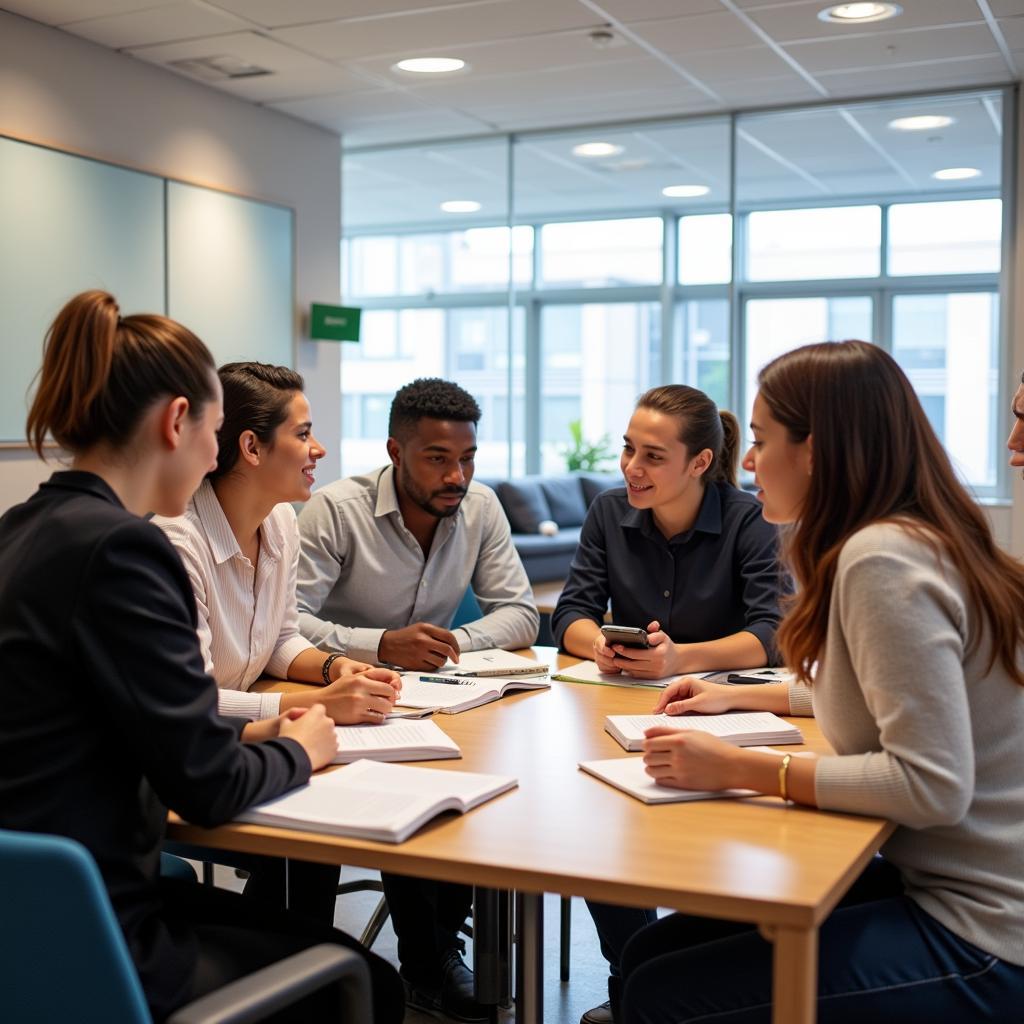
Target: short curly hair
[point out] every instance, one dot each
(430, 398)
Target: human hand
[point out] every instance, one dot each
(659, 659)
(314, 732)
(269, 728)
(691, 694)
(419, 646)
(361, 697)
(604, 656)
(349, 669)
(687, 759)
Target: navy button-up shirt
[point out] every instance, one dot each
(718, 578)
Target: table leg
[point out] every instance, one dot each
(794, 975)
(492, 945)
(529, 958)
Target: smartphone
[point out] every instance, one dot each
(628, 636)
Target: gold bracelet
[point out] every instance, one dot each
(783, 772)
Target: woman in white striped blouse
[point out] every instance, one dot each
(239, 542)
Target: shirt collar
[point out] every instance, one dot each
(223, 542)
(709, 517)
(387, 496)
(88, 483)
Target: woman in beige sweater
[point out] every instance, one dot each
(906, 637)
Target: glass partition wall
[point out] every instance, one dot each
(557, 275)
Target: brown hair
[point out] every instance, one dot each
(876, 458)
(256, 397)
(102, 371)
(701, 425)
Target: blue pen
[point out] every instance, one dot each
(444, 679)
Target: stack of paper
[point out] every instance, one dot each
(588, 672)
(628, 774)
(744, 729)
(383, 802)
(393, 740)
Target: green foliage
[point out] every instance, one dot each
(586, 455)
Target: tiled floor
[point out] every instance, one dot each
(564, 1002)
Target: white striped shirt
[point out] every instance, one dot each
(248, 622)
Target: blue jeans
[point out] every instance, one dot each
(882, 959)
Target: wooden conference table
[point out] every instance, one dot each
(780, 866)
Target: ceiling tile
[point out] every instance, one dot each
(737, 63)
(696, 33)
(168, 22)
(788, 22)
(1006, 8)
(872, 81)
(447, 29)
(279, 13)
(60, 12)
(377, 131)
(828, 55)
(331, 107)
(1013, 32)
(631, 11)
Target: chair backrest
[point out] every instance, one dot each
(62, 953)
(468, 611)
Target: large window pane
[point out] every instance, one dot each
(948, 345)
(701, 356)
(596, 360)
(945, 238)
(774, 326)
(601, 253)
(705, 249)
(801, 245)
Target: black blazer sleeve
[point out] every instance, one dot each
(133, 628)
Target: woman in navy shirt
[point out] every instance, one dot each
(681, 552)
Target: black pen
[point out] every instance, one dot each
(443, 679)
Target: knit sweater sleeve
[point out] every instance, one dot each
(902, 622)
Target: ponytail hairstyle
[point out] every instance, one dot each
(256, 398)
(102, 371)
(877, 459)
(701, 425)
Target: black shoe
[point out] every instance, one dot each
(599, 1015)
(454, 997)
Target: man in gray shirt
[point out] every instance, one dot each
(385, 561)
(386, 558)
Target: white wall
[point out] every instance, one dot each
(61, 91)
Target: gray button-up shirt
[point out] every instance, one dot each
(361, 572)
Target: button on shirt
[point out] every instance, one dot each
(248, 622)
(716, 579)
(361, 572)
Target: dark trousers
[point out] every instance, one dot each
(236, 936)
(615, 927)
(312, 888)
(426, 916)
(882, 959)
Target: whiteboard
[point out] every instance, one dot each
(230, 273)
(68, 224)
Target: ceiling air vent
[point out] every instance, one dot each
(216, 69)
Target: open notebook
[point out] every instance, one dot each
(627, 774)
(393, 740)
(383, 802)
(743, 729)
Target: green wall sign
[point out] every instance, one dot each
(334, 323)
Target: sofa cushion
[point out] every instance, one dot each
(594, 483)
(565, 499)
(563, 543)
(525, 504)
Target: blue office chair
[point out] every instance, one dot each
(63, 955)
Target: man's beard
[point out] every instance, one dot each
(424, 499)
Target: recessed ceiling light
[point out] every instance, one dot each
(430, 65)
(921, 123)
(593, 149)
(685, 191)
(956, 173)
(460, 206)
(850, 14)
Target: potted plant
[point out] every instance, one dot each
(586, 455)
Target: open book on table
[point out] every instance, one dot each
(394, 739)
(743, 729)
(627, 774)
(383, 802)
(588, 672)
(477, 679)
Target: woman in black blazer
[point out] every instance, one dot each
(107, 717)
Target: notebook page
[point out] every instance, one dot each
(431, 782)
(418, 693)
(716, 725)
(491, 658)
(392, 734)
